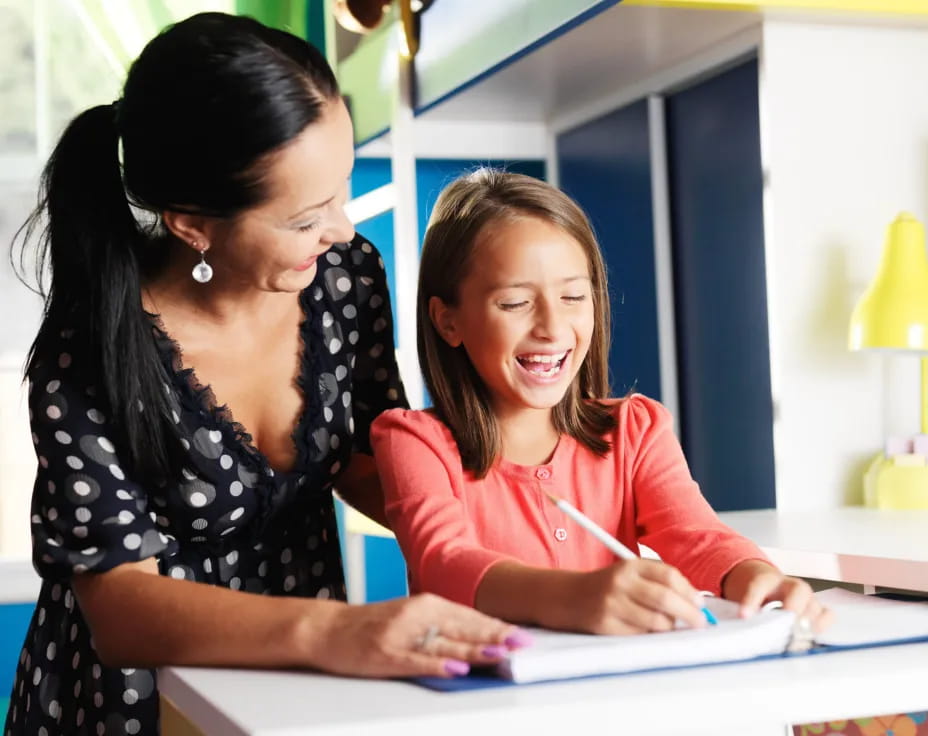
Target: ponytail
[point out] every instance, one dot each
(90, 245)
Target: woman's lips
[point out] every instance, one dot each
(306, 264)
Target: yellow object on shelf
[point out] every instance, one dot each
(899, 482)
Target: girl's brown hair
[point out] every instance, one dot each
(461, 400)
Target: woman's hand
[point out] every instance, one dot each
(753, 583)
(406, 637)
(629, 597)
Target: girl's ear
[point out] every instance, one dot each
(443, 319)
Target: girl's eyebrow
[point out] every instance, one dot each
(530, 284)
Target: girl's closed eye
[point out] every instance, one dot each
(512, 306)
(575, 298)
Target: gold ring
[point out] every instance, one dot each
(430, 635)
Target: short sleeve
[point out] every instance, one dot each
(87, 515)
(376, 377)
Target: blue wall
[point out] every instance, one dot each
(14, 620)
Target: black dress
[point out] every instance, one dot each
(230, 521)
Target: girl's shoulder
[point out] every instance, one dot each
(637, 414)
(422, 423)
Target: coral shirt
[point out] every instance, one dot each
(452, 527)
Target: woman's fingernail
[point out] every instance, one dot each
(518, 639)
(456, 667)
(494, 651)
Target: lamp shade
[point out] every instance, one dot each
(893, 312)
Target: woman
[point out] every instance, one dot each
(201, 380)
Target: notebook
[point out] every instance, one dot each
(859, 621)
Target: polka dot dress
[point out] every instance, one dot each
(229, 520)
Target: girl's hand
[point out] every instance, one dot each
(753, 583)
(630, 597)
(407, 637)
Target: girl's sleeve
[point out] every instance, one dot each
(376, 376)
(672, 516)
(87, 515)
(416, 465)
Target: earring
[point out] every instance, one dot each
(202, 272)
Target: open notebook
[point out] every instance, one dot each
(859, 621)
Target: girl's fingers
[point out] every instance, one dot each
(667, 592)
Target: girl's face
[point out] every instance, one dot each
(524, 314)
(274, 246)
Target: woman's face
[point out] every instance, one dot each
(274, 246)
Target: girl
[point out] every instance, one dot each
(513, 319)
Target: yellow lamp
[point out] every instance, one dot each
(893, 315)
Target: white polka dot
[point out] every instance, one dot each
(327, 413)
(184, 442)
(75, 660)
(98, 701)
(106, 444)
(130, 697)
(101, 727)
(177, 573)
(334, 442)
(232, 557)
(341, 372)
(123, 495)
(132, 541)
(236, 514)
(52, 386)
(51, 514)
(53, 709)
(224, 532)
(43, 461)
(41, 618)
(80, 711)
(199, 524)
(379, 324)
(88, 551)
(235, 583)
(375, 301)
(335, 345)
(176, 419)
(324, 593)
(73, 632)
(236, 487)
(327, 319)
(50, 651)
(63, 437)
(208, 566)
(286, 556)
(351, 424)
(77, 689)
(74, 462)
(188, 474)
(117, 472)
(343, 284)
(133, 726)
(37, 676)
(53, 412)
(95, 671)
(353, 337)
(125, 517)
(79, 568)
(198, 499)
(262, 568)
(225, 462)
(35, 438)
(333, 258)
(64, 360)
(392, 394)
(346, 399)
(336, 466)
(81, 487)
(82, 514)
(289, 583)
(366, 247)
(375, 351)
(95, 416)
(79, 531)
(51, 486)
(215, 436)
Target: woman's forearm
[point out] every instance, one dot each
(139, 618)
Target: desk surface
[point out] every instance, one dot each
(851, 545)
(759, 698)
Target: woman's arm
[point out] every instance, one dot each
(139, 618)
(360, 486)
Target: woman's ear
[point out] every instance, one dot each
(443, 319)
(193, 230)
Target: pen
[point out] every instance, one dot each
(614, 545)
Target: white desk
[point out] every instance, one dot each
(851, 545)
(756, 698)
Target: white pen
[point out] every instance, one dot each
(616, 547)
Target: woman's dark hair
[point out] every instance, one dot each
(203, 106)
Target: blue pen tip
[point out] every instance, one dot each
(709, 617)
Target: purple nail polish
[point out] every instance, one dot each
(518, 639)
(494, 651)
(456, 667)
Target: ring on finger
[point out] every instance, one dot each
(430, 635)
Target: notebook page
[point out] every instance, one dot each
(866, 619)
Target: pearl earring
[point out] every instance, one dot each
(202, 272)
